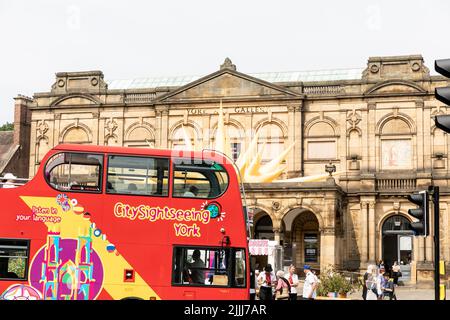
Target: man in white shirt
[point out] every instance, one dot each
(310, 285)
(293, 281)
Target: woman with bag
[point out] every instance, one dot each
(283, 288)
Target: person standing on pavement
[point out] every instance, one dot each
(293, 281)
(266, 280)
(310, 285)
(395, 272)
(365, 278)
(380, 283)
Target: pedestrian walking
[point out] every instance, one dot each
(310, 285)
(380, 283)
(371, 283)
(388, 287)
(396, 273)
(365, 277)
(283, 288)
(293, 281)
(266, 281)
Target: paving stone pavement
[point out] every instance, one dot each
(405, 293)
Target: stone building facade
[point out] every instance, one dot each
(374, 124)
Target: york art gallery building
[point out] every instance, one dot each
(375, 124)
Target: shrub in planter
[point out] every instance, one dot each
(333, 283)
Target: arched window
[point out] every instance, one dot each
(181, 134)
(396, 223)
(140, 136)
(235, 139)
(264, 228)
(396, 145)
(354, 144)
(271, 138)
(321, 141)
(439, 143)
(76, 135)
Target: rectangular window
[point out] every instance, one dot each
(138, 175)
(321, 150)
(14, 259)
(396, 154)
(75, 172)
(209, 267)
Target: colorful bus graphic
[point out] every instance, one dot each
(125, 223)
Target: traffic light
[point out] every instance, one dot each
(421, 213)
(443, 93)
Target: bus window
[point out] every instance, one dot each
(198, 179)
(13, 259)
(239, 268)
(138, 175)
(75, 172)
(201, 266)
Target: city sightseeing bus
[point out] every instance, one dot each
(125, 223)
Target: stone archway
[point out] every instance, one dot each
(306, 237)
(301, 238)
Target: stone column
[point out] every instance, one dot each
(364, 234)
(420, 135)
(157, 124)
(327, 248)
(365, 142)
(372, 232)
(371, 142)
(165, 127)
(291, 132)
(295, 136)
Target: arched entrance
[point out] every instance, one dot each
(305, 240)
(397, 243)
(263, 230)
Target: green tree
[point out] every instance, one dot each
(7, 127)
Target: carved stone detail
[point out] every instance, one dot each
(227, 64)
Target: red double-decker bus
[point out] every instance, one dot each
(125, 223)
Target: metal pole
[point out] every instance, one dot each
(436, 242)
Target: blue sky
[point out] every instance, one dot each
(130, 39)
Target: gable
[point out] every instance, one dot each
(228, 85)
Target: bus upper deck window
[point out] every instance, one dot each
(195, 178)
(13, 259)
(138, 175)
(75, 172)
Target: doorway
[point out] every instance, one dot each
(397, 244)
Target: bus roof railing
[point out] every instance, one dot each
(12, 181)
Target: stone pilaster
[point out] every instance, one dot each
(372, 232)
(364, 234)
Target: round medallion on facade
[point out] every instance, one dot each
(276, 205)
(374, 68)
(94, 81)
(415, 66)
(61, 83)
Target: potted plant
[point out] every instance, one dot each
(333, 284)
